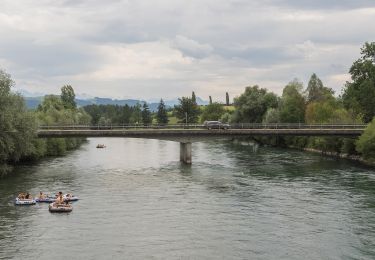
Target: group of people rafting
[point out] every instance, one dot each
(59, 203)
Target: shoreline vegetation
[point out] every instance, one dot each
(315, 104)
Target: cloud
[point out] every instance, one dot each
(168, 48)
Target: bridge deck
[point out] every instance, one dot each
(160, 133)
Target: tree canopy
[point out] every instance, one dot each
(187, 111)
(68, 97)
(359, 94)
(162, 116)
(252, 105)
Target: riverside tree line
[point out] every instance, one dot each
(315, 104)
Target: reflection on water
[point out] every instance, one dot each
(138, 201)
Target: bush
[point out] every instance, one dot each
(366, 142)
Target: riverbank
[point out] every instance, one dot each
(351, 157)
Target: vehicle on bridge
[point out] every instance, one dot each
(215, 125)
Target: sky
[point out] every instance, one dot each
(169, 48)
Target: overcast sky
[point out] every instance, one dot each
(168, 48)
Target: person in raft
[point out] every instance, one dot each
(21, 196)
(42, 195)
(59, 200)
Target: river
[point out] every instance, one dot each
(139, 202)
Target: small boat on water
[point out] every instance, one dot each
(70, 197)
(100, 146)
(25, 201)
(53, 207)
(46, 199)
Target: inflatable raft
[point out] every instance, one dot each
(60, 208)
(47, 199)
(24, 201)
(70, 197)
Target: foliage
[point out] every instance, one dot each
(146, 115)
(292, 107)
(17, 125)
(316, 91)
(272, 116)
(136, 116)
(161, 115)
(107, 114)
(193, 97)
(187, 111)
(68, 97)
(252, 105)
(212, 112)
(366, 142)
(359, 94)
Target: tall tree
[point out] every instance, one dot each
(146, 114)
(292, 105)
(162, 116)
(210, 99)
(316, 91)
(227, 99)
(136, 117)
(252, 105)
(359, 94)
(193, 97)
(68, 97)
(17, 125)
(187, 111)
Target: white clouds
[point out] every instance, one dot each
(168, 48)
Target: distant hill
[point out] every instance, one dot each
(33, 102)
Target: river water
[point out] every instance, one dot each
(139, 202)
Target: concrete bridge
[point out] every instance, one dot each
(186, 134)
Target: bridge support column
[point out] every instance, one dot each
(185, 152)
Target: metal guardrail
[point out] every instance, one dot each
(200, 126)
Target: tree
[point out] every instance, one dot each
(162, 116)
(136, 117)
(252, 105)
(68, 97)
(359, 94)
(227, 99)
(316, 91)
(17, 125)
(146, 114)
(210, 100)
(292, 105)
(366, 142)
(212, 112)
(187, 111)
(193, 98)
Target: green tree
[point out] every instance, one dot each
(17, 125)
(366, 142)
(210, 98)
(193, 97)
(292, 105)
(252, 105)
(316, 91)
(146, 114)
(68, 97)
(359, 94)
(162, 115)
(212, 112)
(136, 116)
(187, 111)
(227, 99)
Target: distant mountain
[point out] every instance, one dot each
(33, 102)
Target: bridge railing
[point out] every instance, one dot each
(200, 126)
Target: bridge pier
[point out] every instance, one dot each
(185, 152)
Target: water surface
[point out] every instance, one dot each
(139, 202)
